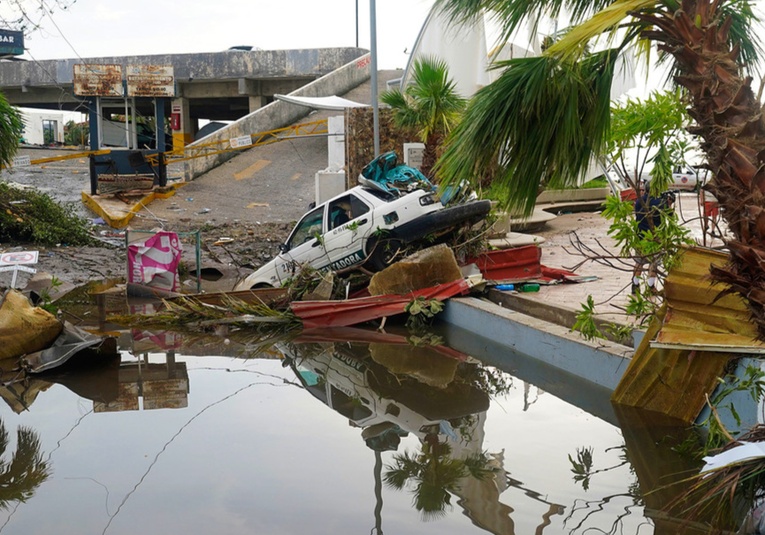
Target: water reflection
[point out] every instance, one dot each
(25, 472)
(390, 388)
(433, 431)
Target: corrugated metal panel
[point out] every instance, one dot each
(708, 332)
(697, 318)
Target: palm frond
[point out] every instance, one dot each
(11, 128)
(512, 14)
(606, 20)
(539, 123)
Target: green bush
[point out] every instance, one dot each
(32, 217)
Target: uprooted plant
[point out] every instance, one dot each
(29, 216)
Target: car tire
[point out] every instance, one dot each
(382, 253)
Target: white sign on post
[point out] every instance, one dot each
(239, 142)
(16, 261)
(19, 257)
(21, 161)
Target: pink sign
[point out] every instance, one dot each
(154, 261)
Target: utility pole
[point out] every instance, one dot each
(373, 51)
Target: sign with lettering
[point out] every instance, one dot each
(239, 142)
(18, 257)
(11, 43)
(150, 81)
(93, 80)
(21, 161)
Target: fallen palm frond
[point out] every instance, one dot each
(723, 496)
(190, 313)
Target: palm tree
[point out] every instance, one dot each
(11, 129)
(430, 106)
(544, 118)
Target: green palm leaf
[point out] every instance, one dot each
(538, 124)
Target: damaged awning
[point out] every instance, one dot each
(322, 103)
(698, 317)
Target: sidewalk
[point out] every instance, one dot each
(612, 288)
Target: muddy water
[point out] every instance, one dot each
(354, 432)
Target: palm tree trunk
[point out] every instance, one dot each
(731, 126)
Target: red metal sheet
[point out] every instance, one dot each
(316, 314)
(518, 263)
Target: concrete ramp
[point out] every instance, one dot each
(278, 114)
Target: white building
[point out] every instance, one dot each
(43, 127)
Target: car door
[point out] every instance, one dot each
(304, 245)
(349, 220)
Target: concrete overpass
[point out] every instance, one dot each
(224, 85)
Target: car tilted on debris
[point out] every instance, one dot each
(394, 207)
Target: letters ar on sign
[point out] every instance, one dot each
(18, 257)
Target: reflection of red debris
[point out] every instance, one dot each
(355, 334)
(354, 311)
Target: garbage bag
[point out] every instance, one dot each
(24, 328)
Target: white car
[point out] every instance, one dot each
(683, 179)
(366, 225)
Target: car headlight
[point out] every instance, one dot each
(427, 200)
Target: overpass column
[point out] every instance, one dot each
(180, 121)
(251, 88)
(256, 102)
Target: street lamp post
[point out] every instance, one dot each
(373, 52)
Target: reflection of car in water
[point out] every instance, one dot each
(352, 379)
(367, 225)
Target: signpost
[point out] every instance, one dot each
(18, 261)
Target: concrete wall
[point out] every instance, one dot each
(602, 362)
(279, 114)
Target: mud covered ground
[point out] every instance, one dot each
(249, 243)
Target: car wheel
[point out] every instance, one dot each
(382, 253)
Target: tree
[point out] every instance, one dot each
(649, 130)
(11, 130)
(545, 117)
(430, 106)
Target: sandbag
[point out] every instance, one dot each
(24, 328)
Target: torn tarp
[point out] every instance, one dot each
(70, 343)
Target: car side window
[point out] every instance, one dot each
(308, 227)
(345, 209)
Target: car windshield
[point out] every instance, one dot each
(309, 227)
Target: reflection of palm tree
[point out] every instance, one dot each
(26, 471)
(435, 475)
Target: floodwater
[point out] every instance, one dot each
(349, 431)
